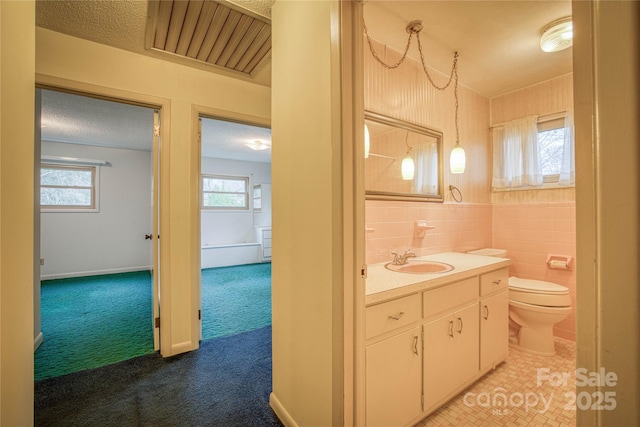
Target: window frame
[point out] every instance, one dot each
(246, 194)
(551, 180)
(95, 188)
(257, 207)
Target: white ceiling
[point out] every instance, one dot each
(77, 119)
(498, 44)
(498, 41)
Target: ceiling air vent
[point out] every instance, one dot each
(212, 32)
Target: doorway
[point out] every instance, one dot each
(98, 172)
(235, 224)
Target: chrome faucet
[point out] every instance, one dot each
(402, 259)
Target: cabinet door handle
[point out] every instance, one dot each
(460, 325)
(396, 316)
(497, 282)
(451, 328)
(486, 312)
(415, 345)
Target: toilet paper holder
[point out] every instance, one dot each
(559, 262)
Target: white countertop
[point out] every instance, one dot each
(383, 284)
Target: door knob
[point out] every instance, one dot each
(148, 236)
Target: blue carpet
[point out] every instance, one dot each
(89, 322)
(225, 383)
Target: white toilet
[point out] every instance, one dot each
(535, 306)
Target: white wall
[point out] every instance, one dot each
(224, 227)
(111, 240)
(308, 220)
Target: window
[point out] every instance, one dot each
(225, 192)
(550, 147)
(257, 198)
(68, 188)
(534, 152)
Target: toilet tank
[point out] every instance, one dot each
(489, 252)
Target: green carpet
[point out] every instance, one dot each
(94, 321)
(235, 299)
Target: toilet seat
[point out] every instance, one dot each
(541, 309)
(538, 292)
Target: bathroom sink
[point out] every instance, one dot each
(418, 267)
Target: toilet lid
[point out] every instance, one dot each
(529, 285)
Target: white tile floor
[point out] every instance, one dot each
(525, 390)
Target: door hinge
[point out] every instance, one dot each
(363, 271)
(156, 130)
(157, 322)
(199, 314)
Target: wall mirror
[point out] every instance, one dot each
(389, 174)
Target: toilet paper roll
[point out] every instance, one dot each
(557, 264)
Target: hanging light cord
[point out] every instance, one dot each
(415, 27)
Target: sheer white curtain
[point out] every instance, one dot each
(568, 168)
(425, 180)
(516, 158)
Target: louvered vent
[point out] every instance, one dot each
(216, 33)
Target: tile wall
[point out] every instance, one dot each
(457, 227)
(530, 233)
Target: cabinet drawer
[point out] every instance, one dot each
(449, 296)
(266, 252)
(391, 315)
(266, 234)
(494, 281)
(266, 243)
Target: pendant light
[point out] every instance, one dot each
(457, 159)
(367, 141)
(407, 168)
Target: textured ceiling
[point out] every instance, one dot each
(80, 119)
(122, 24)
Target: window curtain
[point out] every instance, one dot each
(425, 180)
(516, 158)
(568, 168)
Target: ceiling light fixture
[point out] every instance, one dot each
(557, 35)
(458, 158)
(258, 145)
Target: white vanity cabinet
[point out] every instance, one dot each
(393, 362)
(394, 383)
(425, 346)
(494, 318)
(450, 353)
(450, 338)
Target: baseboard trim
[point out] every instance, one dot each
(95, 272)
(281, 412)
(37, 341)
